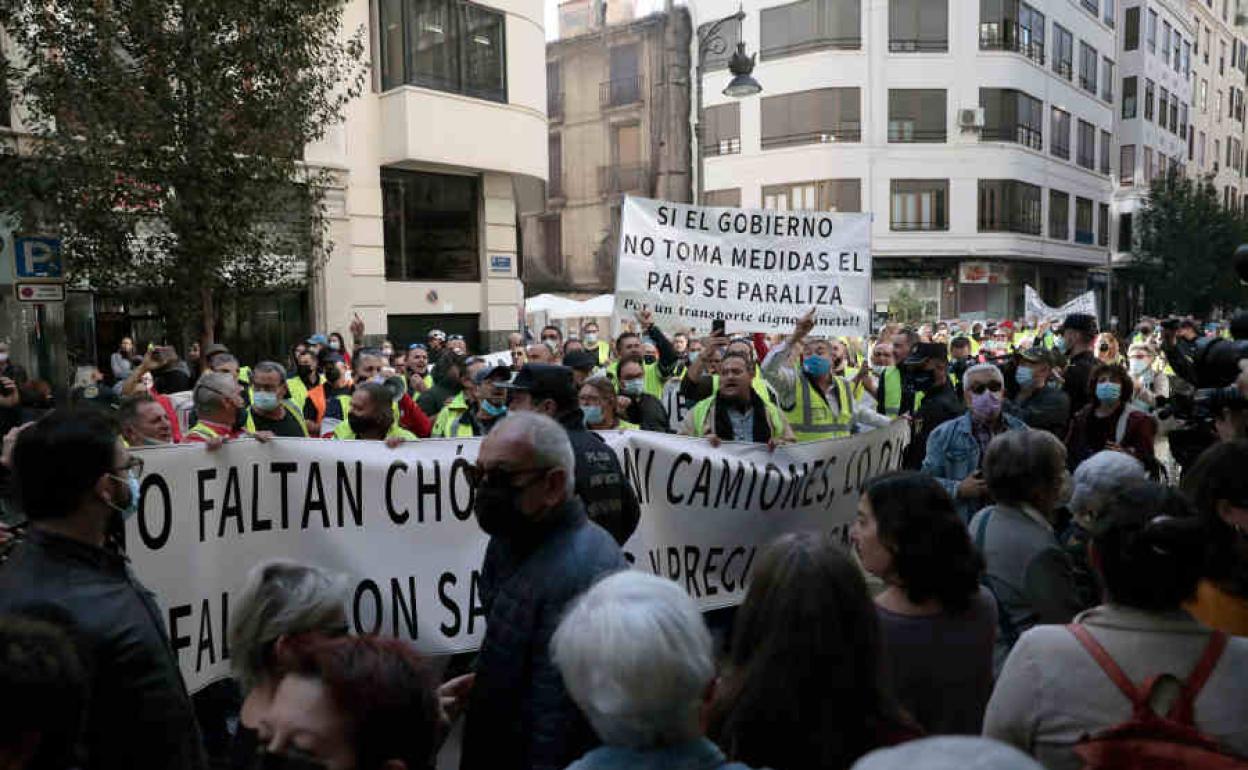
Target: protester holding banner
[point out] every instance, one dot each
(370, 417)
(599, 480)
(599, 405)
(485, 402)
(78, 484)
(144, 422)
(543, 552)
(271, 410)
(636, 404)
(461, 402)
(736, 412)
(221, 412)
(803, 685)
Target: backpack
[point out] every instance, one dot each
(1149, 741)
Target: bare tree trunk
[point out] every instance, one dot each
(208, 322)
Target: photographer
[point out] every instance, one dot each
(1178, 342)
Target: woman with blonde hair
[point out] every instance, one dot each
(1106, 349)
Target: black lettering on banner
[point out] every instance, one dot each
(314, 497)
(225, 625)
(285, 470)
(257, 524)
(673, 564)
(157, 541)
(399, 607)
(205, 638)
(231, 503)
(702, 484)
(398, 517)
(848, 486)
(827, 493)
(445, 580)
(461, 509)
(476, 608)
(354, 496)
(684, 458)
(766, 504)
(793, 487)
(691, 572)
(730, 484)
(864, 469)
(367, 586)
(808, 486)
(205, 502)
(178, 640)
(431, 488)
(709, 567)
(734, 554)
(633, 472)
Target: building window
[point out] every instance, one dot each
(1010, 25)
(1091, 6)
(1200, 150)
(917, 115)
(1148, 99)
(1126, 165)
(918, 25)
(1087, 67)
(1131, 29)
(1107, 143)
(919, 204)
(1150, 34)
(1130, 86)
(729, 197)
(552, 243)
(1165, 42)
(1174, 113)
(1063, 52)
(844, 195)
(722, 129)
(446, 45)
(1059, 134)
(1126, 236)
(554, 150)
(809, 25)
(6, 99)
(811, 117)
(429, 226)
(1083, 221)
(554, 90)
(1110, 16)
(730, 31)
(1009, 206)
(1149, 171)
(1012, 116)
(1222, 58)
(625, 86)
(1107, 80)
(1102, 224)
(1059, 215)
(1163, 106)
(1178, 52)
(1187, 58)
(1204, 95)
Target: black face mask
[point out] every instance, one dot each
(332, 375)
(361, 425)
(304, 371)
(650, 359)
(923, 381)
(498, 508)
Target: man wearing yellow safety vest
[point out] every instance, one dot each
(736, 412)
(937, 400)
(307, 378)
(630, 344)
(894, 395)
(701, 380)
(371, 417)
(485, 401)
(222, 416)
(817, 403)
(271, 410)
(595, 345)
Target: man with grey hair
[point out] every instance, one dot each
(638, 659)
(271, 409)
(956, 449)
(220, 410)
(543, 552)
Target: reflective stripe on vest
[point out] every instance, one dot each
(344, 433)
(812, 421)
(291, 409)
(703, 408)
(890, 382)
(199, 429)
(459, 429)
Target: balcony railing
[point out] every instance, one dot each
(615, 179)
(1005, 36)
(912, 227)
(1065, 69)
(730, 146)
(1024, 135)
(841, 132)
(621, 92)
(909, 131)
(918, 45)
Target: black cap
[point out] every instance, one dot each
(580, 359)
(490, 372)
(543, 381)
(925, 351)
(1037, 355)
(1081, 322)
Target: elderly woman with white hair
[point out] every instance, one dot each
(1150, 382)
(636, 658)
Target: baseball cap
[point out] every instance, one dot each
(546, 381)
(1037, 355)
(490, 372)
(436, 334)
(318, 339)
(580, 359)
(1080, 322)
(926, 350)
(214, 349)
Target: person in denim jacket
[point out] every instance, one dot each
(955, 450)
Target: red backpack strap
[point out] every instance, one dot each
(1139, 701)
(1184, 709)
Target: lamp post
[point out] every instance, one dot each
(742, 84)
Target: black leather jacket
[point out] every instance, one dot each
(139, 716)
(600, 483)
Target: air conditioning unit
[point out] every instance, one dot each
(971, 117)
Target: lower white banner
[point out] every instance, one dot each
(399, 524)
(1037, 310)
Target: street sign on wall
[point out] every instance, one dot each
(38, 257)
(40, 292)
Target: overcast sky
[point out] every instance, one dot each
(552, 13)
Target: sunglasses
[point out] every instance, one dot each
(503, 477)
(980, 387)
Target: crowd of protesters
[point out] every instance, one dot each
(1036, 588)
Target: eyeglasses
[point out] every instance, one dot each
(1104, 347)
(503, 477)
(133, 465)
(980, 387)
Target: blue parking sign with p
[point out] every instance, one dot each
(38, 257)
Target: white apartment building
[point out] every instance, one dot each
(437, 160)
(978, 132)
(1156, 47)
(1219, 72)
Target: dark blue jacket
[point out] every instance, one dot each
(520, 715)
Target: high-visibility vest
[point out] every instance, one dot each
(203, 431)
(759, 384)
(458, 428)
(317, 397)
(603, 349)
(298, 390)
(812, 417)
(890, 383)
(653, 378)
(702, 409)
(626, 425)
(344, 433)
(291, 409)
(344, 403)
(448, 415)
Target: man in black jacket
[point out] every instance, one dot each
(600, 484)
(1039, 402)
(78, 483)
(927, 368)
(543, 552)
(1077, 333)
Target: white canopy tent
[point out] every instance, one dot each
(545, 309)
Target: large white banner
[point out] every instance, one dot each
(758, 270)
(1037, 310)
(399, 524)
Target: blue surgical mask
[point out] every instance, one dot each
(264, 401)
(1024, 376)
(816, 366)
(633, 387)
(1108, 392)
(693, 355)
(494, 410)
(132, 504)
(593, 415)
(1059, 344)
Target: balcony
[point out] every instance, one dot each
(918, 45)
(835, 134)
(621, 92)
(1084, 237)
(731, 146)
(1024, 135)
(617, 179)
(1006, 37)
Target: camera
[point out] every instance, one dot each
(1216, 367)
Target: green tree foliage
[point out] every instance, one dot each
(168, 140)
(1182, 254)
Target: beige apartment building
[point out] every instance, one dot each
(618, 105)
(1220, 75)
